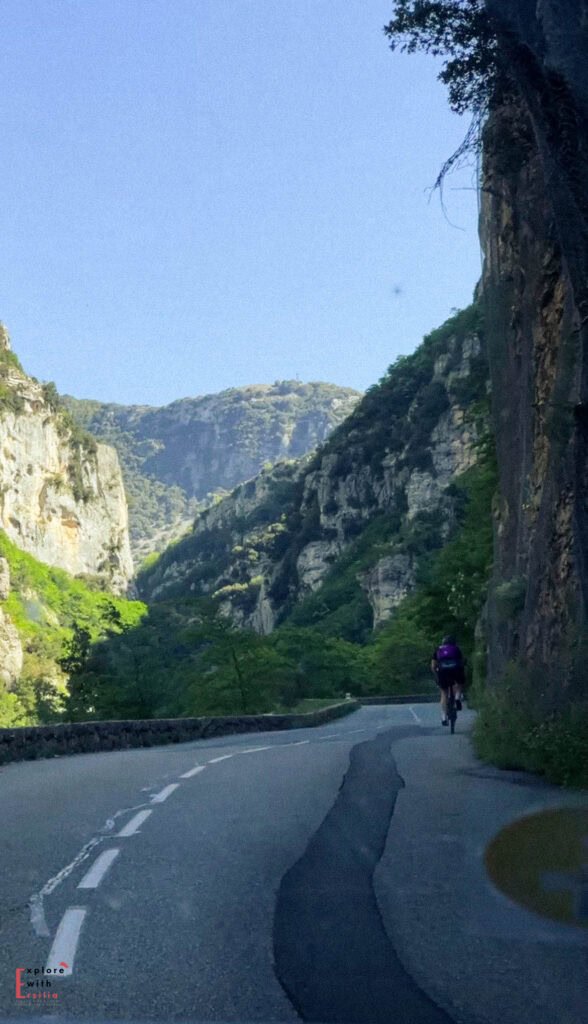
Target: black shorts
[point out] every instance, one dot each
(447, 677)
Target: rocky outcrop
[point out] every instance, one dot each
(175, 457)
(388, 583)
(274, 540)
(61, 494)
(313, 561)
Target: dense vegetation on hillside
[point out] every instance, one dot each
(50, 609)
(182, 659)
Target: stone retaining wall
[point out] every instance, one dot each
(415, 698)
(32, 742)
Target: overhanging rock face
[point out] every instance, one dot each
(535, 235)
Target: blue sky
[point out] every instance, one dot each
(198, 194)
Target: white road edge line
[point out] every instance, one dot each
(215, 760)
(158, 798)
(253, 750)
(300, 742)
(134, 824)
(94, 876)
(193, 771)
(415, 716)
(63, 950)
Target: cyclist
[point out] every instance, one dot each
(447, 665)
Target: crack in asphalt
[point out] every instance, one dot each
(332, 954)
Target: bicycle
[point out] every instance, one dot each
(451, 708)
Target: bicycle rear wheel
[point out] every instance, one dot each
(451, 710)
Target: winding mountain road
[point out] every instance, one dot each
(327, 874)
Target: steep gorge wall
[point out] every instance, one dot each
(61, 496)
(535, 288)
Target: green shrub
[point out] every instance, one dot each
(502, 723)
(512, 731)
(10, 400)
(558, 747)
(46, 605)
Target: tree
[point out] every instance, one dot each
(76, 650)
(459, 30)
(239, 672)
(475, 75)
(12, 713)
(322, 666)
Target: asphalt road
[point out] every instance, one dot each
(266, 878)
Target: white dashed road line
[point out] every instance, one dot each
(63, 950)
(36, 901)
(163, 795)
(94, 876)
(64, 945)
(134, 824)
(415, 716)
(193, 771)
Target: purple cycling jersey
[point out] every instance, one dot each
(448, 656)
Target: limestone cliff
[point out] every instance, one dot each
(61, 494)
(535, 289)
(382, 481)
(175, 456)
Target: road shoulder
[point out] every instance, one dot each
(482, 958)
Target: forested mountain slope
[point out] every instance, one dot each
(335, 540)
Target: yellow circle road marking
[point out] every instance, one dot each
(541, 862)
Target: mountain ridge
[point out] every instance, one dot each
(178, 456)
